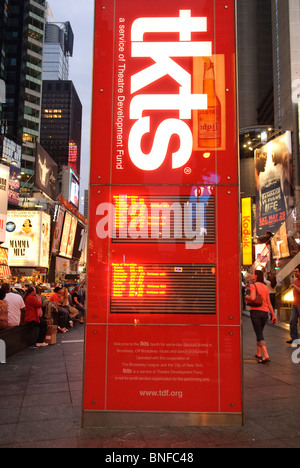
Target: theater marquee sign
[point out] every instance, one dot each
(162, 340)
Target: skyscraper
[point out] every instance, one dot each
(255, 62)
(3, 44)
(269, 83)
(286, 59)
(61, 107)
(25, 21)
(61, 123)
(255, 82)
(58, 47)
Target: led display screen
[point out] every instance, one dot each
(163, 289)
(169, 219)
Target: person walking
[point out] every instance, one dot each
(34, 315)
(295, 311)
(259, 313)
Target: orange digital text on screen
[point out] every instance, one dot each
(124, 203)
(131, 280)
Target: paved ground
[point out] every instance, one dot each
(41, 392)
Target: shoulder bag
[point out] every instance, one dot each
(258, 301)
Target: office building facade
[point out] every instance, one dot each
(286, 65)
(269, 80)
(23, 46)
(255, 63)
(58, 47)
(255, 83)
(61, 123)
(3, 44)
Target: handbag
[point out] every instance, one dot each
(258, 301)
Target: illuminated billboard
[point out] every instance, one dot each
(70, 186)
(45, 173)
(4, 188)
(4, 268)
(68, 236)
(12, 152)
(14, 185)
(274, 183)
(58, 230)
(164, 233)
(247, 244)
(80, 241)
(73, 155)
(28, 238)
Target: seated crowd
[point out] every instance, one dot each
(61, 309)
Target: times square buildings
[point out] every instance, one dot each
(40, 114)
(44, 172)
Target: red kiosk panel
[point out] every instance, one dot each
(170, 116)
(163, 308)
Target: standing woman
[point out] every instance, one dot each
(34, 314)
(260, 314)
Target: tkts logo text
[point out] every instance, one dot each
(163, 55)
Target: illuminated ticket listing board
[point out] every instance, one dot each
(163, 333)
(163, 289)
(168, 218)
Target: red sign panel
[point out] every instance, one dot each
(173, 118)
(163, 310)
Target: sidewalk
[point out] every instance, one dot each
(41, 393)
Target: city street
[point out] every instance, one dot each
(41, 393)
(149, 181)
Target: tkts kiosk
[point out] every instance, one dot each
(163, 334)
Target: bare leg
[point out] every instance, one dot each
(258, 352)
(265, 352)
